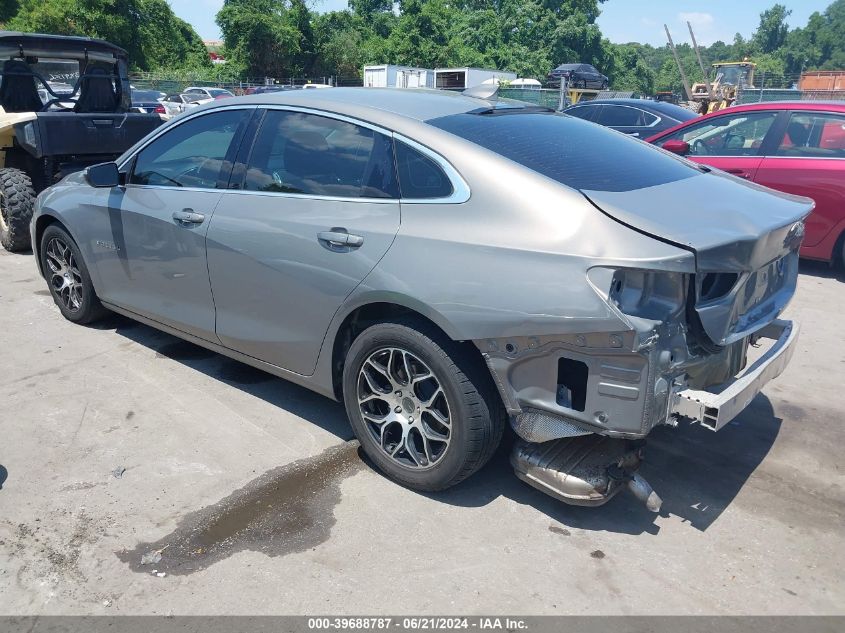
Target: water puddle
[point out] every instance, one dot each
(288, 509)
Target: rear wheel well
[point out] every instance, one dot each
(363, 317)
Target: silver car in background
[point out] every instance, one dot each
(443, 265)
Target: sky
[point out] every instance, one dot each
(620, 21)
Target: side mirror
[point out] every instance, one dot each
(103, 175)
(676, 146)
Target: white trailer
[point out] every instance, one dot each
(415, 78)
(463, 78)
(393, 76)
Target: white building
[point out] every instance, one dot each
(463, 78)
(393, 76)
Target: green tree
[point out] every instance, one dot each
(773, 29)
(8, 9)
(259, 37)
(148, 29)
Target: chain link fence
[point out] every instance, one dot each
(767, 86)
(173, 83)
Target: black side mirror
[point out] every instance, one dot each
(103, 175)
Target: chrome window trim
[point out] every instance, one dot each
(329, 115)
(804, 157)
(177, 121)
(307, 196)
(460, 189)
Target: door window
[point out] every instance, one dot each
(582, 112)
(191, 154)
(419, 176)
(813, 134)
(730, 135)
(623, 116)
(316, 155)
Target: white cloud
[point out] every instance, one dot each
(697, 19)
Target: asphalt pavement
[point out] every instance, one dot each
(140, 474)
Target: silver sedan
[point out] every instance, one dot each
(443, 265)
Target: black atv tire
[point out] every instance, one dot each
(17, 196)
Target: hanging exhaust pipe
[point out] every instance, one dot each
(643, 491)
(586, 470)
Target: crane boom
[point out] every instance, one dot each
(678, 62)
(700, 63)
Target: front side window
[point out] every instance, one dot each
(295, 152)
(812, 134)
(420, 178)
(730, 135)
(191, 154)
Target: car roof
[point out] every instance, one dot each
(659, 107)
(380, 105)
(806, 106)
(785, 105)
(56, 44)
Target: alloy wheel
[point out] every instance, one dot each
(404, 408)
(65, 278)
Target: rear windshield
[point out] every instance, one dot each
(573, 152)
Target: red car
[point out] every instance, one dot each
(797, 147)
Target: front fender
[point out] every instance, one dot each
(50, 207)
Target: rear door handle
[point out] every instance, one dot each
(340, 237)
(187, 216)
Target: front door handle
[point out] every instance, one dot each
(338, 237)
(739, 172)
(187, 216)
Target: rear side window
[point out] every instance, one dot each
(310, 154)
(419, 176)
(572, 152)
(814, 134)
(625, 116)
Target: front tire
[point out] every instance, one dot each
(68, 277)
(17, 196)
(423, 407)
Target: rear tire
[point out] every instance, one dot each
(442, 420)
(17, 196)
(68, 278)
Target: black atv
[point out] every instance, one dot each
(64, 105)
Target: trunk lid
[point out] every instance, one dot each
(745, 238)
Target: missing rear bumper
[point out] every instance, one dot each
(714, 408)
